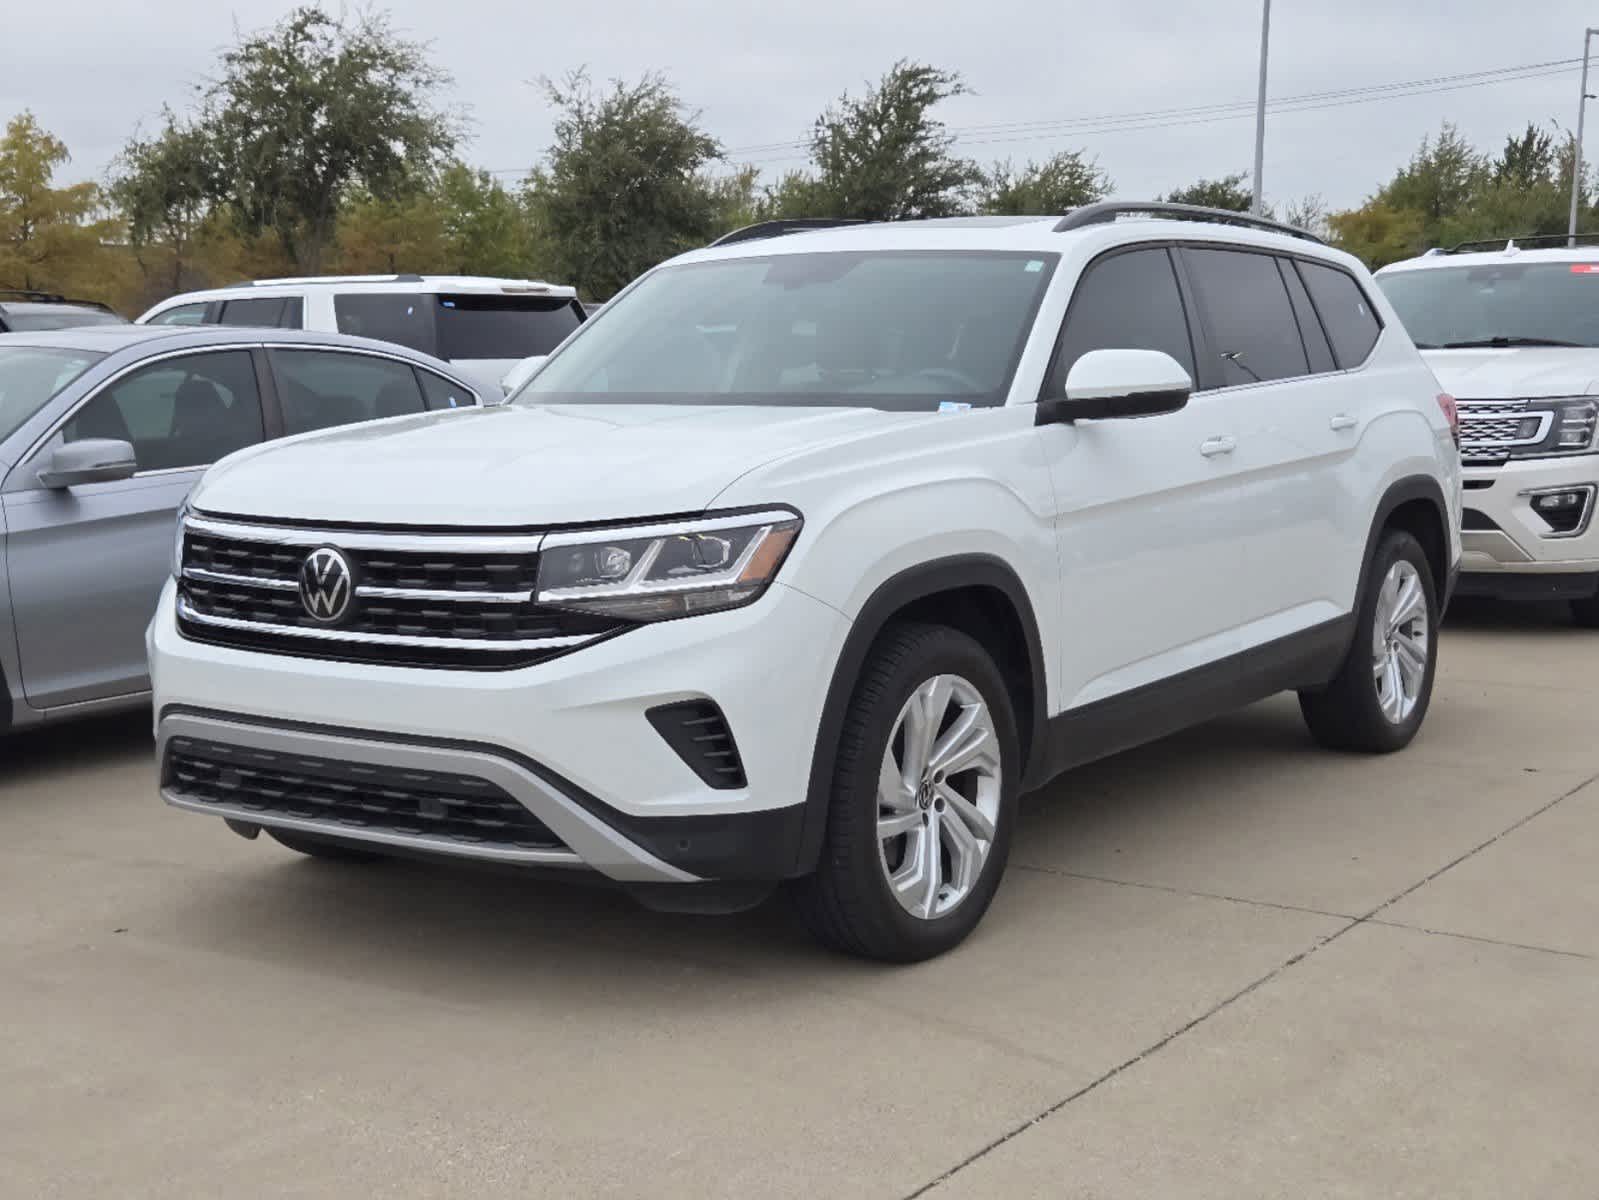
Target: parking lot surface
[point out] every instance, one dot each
(1229, 964)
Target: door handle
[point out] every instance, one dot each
(1342, 422)
(1218, 445)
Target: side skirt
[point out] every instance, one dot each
(1307, 659)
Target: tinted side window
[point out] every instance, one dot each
(1344, 310)
(183, 314)
(441, 393)
(405, 318)
(322, 388)
(475, 326)
(1321, 356)
(261, 313)
(1253, 332)
(180, 412)
(1128, 301)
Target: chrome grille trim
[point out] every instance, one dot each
(202, 575)
(1488, 428)
(349, 539)
(262, 581)
(188, 613)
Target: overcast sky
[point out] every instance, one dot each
(760, 70)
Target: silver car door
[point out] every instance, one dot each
(87, 563)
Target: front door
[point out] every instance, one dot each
(1146, 518)
(87, 563)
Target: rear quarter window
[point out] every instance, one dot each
(503, 327)
(404, 318)
(1346, 313)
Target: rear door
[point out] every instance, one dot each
(321, 388)
(1278, 376)
(1147, 519)
(87, 563)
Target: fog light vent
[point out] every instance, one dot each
(698, 732)
(1565, 510)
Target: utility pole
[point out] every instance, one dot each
(1260, 106)
(1576, 158)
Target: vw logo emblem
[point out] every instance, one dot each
(326, 584)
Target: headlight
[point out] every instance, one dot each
(652, 573)
(1553, 427)
(177, 541)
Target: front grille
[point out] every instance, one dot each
(460, 601)
(352, 797)
(1489, 429)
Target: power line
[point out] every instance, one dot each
(1002, 133)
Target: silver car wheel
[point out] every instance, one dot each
(938, 796)
(1400, 643)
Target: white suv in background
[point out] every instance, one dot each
(484, 327)
(802, 564)
(1512, 330)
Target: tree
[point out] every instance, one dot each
(50, 237)
(1439, 180)
(883, 157)
(1378, 233)
(1226, 192)
(1065, 180)
(314, 107)
(1309, 214)
(622, 186)
(163, 187)
(1526, 160)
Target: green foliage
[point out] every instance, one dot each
(1231, 192)
(312, 108)
(1379, 233)
(1065, 180)
(882, 156)
(163, 188)
(51, 237)
(622, 186)
(1440, 179)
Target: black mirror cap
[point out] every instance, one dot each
(1063, 410)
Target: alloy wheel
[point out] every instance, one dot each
(938, 796)
(1400, 642)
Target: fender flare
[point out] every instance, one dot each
(890, 598)
(1403, 491)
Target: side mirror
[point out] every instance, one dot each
(92, 460)
(521, 373)
(1107, 384)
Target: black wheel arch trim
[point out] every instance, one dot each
(955, 573)
(1403, 491)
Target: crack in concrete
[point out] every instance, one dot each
(1262, 981)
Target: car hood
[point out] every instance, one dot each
(1509, 374)
(523, 465)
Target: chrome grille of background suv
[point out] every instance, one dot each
(1490, 428)
(454, 600)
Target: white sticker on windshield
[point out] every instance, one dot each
(953, 406)
(1035, 264)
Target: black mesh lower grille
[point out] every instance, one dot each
(352, 796)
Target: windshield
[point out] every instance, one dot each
(1525, 303)
(30, 375)
(895, 330)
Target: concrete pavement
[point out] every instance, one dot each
(1225, 965)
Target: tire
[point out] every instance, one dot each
(1585, 612)
(849, 903)
(317, 847)
(1350, 713)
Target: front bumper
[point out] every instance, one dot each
(568, 738)
(1509, 549)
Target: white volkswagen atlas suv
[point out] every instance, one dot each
(814, 551)
(1512, 331)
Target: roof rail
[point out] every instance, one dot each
(769, 229)
(290, 280)
(1529, 242)
(29, 296)
(1108, 210)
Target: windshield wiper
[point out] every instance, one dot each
(1479, 343)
